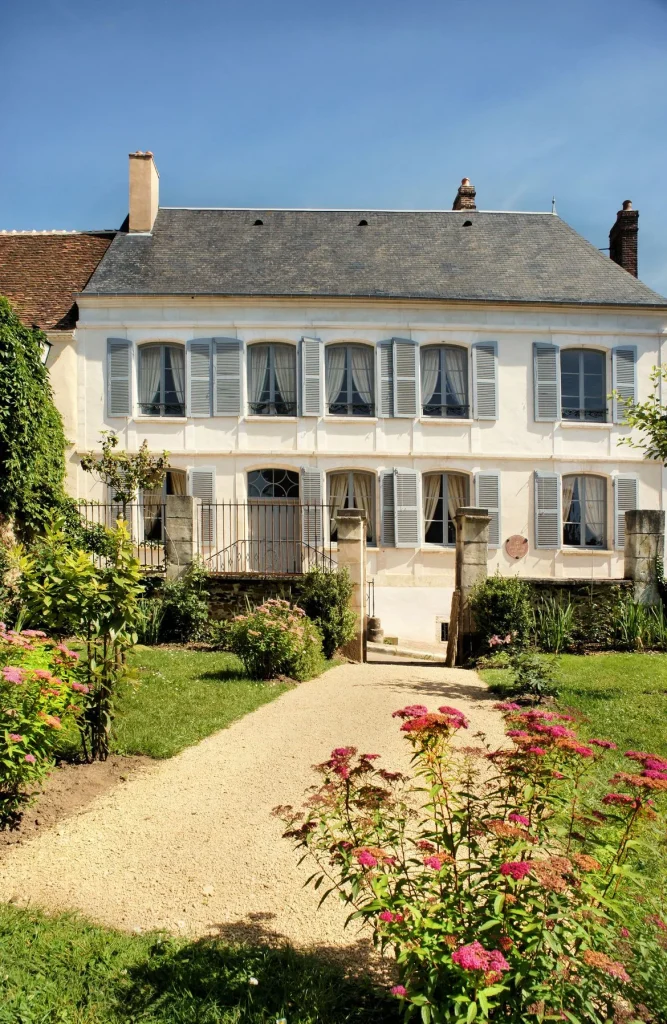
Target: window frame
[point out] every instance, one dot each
(444, 498)
(349, 404)
(373, 542)
(273, 385)
(582, 523)
(443, 348)
(162, 405)
(581, 416)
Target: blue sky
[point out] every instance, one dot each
(359, 103)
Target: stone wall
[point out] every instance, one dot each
(593, 601)
(231, 595)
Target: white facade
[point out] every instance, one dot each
(413, 583)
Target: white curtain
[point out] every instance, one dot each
(595, 509)
(432, 484)
(178, 481)
(335, 371)
(363, 499)
(568, 495)
(457, 493)
(430, 373)
(337, 496)
(456, 365)
(178, 369)
(151, 366)
(284, 361)
(361, 360)
(259, 361)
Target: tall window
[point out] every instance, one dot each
(582, 383)
(272, 380)
(444, 381)
(273, 483)
(584, 511)
(350, 380)
(162, 380)
(353, 490)
(444, 493)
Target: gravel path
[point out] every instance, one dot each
(189, 845)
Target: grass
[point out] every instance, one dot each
(62, 970)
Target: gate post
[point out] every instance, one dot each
(180, 533)
(472, 553)
(644, 545)
(351, 526)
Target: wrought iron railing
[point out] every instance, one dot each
(266, 538)
(145, 523)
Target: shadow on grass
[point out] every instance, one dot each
(228, 675)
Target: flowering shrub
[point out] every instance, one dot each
(276, 639)
(38, 691)
(499, 888)
(501, 609)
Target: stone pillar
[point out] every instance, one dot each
(180, 533)
(472, 553)
(351, 527)
(644, 545)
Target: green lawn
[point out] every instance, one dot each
(62, 970)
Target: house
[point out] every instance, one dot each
(406, 362)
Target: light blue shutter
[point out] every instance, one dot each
(624, 379)
(546, 382)
(311, 377)
(119, 388)
(385, 378)
(387, 513)
(202, 486)
(199, 377)
(485, 380)
(406, 508)
(625, 500)
(405, 367)
(487, 495)
(548, 526)
(312, 489)
(228, 364)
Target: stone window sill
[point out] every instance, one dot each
(449, 549)
(270, 419)
(161, 419)
(328, 418)
(446, 421)
(584, 425)
(586, 551)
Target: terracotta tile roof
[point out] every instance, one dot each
(40, 273)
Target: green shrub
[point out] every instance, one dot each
(276, 639)
(532, 675)
(149, 622)
(501, 608)
(184, 606)
(638, 627)
(554, 625)
(325, 598)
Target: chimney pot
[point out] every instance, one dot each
(465, 197)
(623, 238)
(144, 191)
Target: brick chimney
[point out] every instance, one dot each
(623, 238)
(465, 197)
(144, 191)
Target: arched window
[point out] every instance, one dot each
(444, 377)
(443, 494)
(583, 385)
(273, 483)
(584, 511)
(162, 380)
(350, 380)
(272, 380)
(352, 490)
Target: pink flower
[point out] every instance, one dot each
(13, 675)
(30, 758)
(618, 798)
(537, 751)
(583, 751)
(399, 990)
(390, 917)
(605, 744)
(558, 731)
(519, 819)
(624, 933)
(41, 673)
(343, 752)
(366, 859)
(80, 688)
(557, 775)
(457, 716)
(15, 737)
(507, 706)
(411, 711)
(474, 957)
(435, 861)
(518, 734)
(516, 869)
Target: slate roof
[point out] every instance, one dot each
(500, 257)
(41, 274)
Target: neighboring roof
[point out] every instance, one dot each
(41, 273)
(500, 257)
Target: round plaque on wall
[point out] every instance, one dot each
(516, 546)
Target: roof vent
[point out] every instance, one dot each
(362, 224)
(467, 223)
(258, 223)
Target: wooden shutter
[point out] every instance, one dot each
(406, 508)
(487, 495)
(202, 486)
(119, 388)
(387, 510)
(625, 500)
(485, 380)
(228, 363)
(548, 525)
(405, 368)
(546, 382)
(385, 378)
(312, 489)
(199, 377)
(311, 377)
(624, 379)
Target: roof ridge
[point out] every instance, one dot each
(354, 209)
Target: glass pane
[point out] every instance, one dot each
(174, 384)
(273, 483)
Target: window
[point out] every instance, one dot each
(353, 490)
(162, 380)
(584, 511)
(583, 391)
(272, 380)
(350, 383)
(444, 493)
(445, 381)
(273, 483)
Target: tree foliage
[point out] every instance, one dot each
(650, 417)
(32, 439)
(124, 473)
